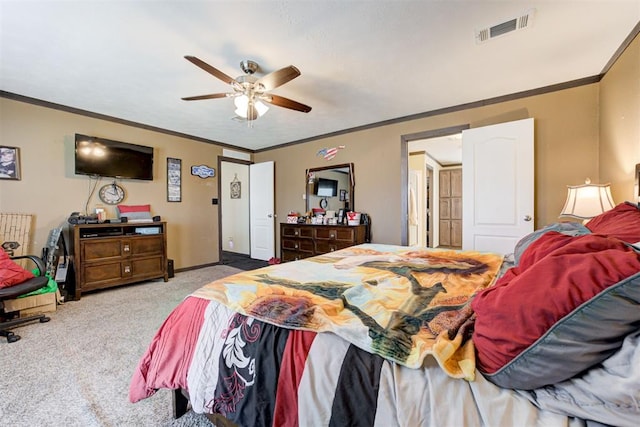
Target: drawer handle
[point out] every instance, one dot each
(332, 236)
(127, 269)
(125, 248)
(295, 246)
(332, 249)
(295, 233)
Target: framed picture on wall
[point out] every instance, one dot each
(9, 162)
(343, 195)
(174, 180)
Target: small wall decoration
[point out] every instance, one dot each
(235, 187)
(174, 180)
(343, 195)
(203, 171)
(9, 162)
(329, 153)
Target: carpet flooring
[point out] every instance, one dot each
(75, 370)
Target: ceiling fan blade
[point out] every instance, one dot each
(210, 96)
(211, 70)
(281, 101)
(278, 78)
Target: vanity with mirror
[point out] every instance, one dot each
(329, 190)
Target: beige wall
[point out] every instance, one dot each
(566, 152)
(620, 123)
(588, 131)
(50, 190)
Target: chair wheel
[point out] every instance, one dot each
(44, 319)
(11, 337)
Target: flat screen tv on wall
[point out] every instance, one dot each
(104, 157)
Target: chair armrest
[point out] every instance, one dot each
(36, 260)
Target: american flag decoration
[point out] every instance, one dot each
(329, 153)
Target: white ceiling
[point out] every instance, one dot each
(446, 150)
(362, 62)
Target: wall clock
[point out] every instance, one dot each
(111, 194)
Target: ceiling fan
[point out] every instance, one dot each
(249, 91)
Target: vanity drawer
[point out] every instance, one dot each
(299, 241)
(343, 234)
(296, 231)
(301, 245)
(294, 255)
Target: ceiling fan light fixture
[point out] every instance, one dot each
(250, 93)
(261, 108)
(242, 104)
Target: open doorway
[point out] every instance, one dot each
(409, 143)
(435, 202)
(233, 214)
(497, 184)
(246, 237)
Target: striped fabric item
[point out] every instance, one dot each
(257, 374)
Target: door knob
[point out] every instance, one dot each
(527, 217)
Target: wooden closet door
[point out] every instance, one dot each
(451, 208)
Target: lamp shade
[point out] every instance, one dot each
(587, 200)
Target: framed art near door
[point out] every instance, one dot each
(9, 162)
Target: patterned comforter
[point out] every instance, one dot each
(368, 335)
(397, 302)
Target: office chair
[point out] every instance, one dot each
(15, 291)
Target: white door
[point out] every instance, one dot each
(497, 186)
(262, 212)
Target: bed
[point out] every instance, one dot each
(384, 335)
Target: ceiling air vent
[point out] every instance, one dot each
(506, 27)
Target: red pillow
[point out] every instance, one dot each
(134, 208)
(11, 273)
(621, 222)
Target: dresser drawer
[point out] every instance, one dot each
(301, 245)
(147, 245)
(344, 234)
(147, 267)
(293, 231)
(103, 249)
(294, 255)
(102, 275)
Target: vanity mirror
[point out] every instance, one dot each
(330, 187)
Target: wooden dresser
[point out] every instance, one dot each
(298, 241)
(107, 255)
